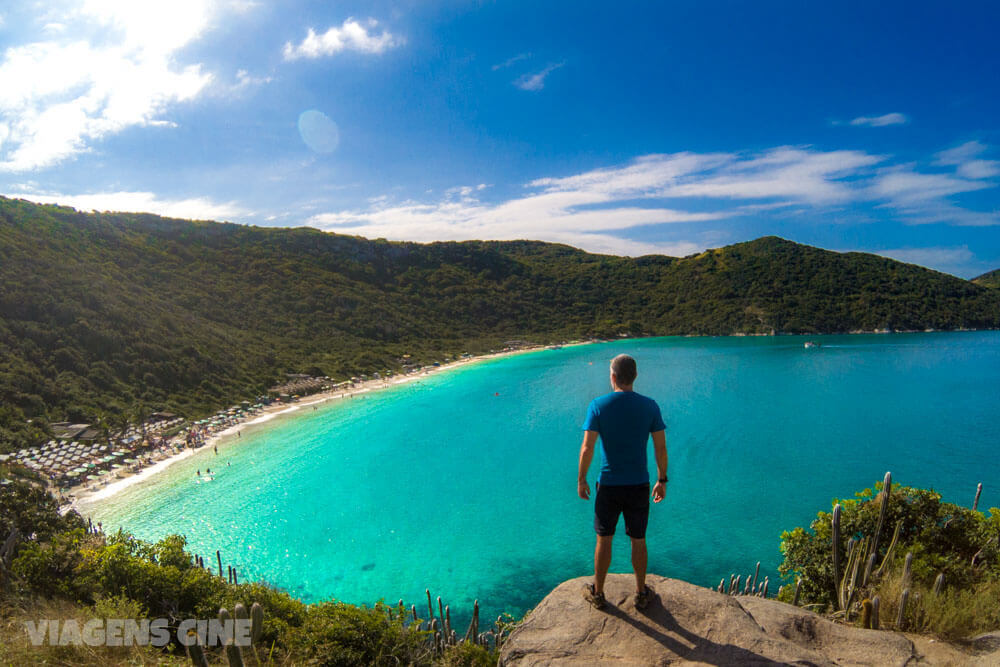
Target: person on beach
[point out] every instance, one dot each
(624, 421)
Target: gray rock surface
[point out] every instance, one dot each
(689, 625)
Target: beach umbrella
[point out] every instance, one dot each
(72, 473)
(131, 460)
(93, 477)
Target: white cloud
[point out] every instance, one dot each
(60, 94)
(933, 257)
(966, 160)
(349, 36)
(793, 174)
(536, 81)
(510, 61)
(881, 121)
(197, 208)
(594, 209)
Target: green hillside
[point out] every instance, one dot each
(991, 279)
(99, 312)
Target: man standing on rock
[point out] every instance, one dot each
(624, 420)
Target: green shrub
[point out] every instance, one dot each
(334, 633)
(942, 537)
(467, 655)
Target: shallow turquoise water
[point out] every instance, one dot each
(465, 482)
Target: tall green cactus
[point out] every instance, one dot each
(901, 616)
(835, 525)
(883, 509)
(256, 622)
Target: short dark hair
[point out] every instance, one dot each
(623, 366)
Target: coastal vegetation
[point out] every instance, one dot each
(991, 279)
(60, 567)
(935, 569)
(103, 312)
(898, 557)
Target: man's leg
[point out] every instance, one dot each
(602, 561)
(639, 558)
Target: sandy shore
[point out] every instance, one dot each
(86, 498)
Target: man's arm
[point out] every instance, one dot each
(586, 456)
(660, 450)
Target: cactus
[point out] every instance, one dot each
(887, 560)
(868, 568)
(874, 619)
(835, 521)
(195, 652)
(756, 573)
(907, 569)
(413, 612)
(430, 607)
(722, 585)
(256, 621)
(736, 588)
(866, 614)
(763, 589)
(979, 490)
(901, 617)
(798, 588)
(473, 632)
(234, 655)
(448, 632)
(939, 583)
(883, 510)
(218, 555)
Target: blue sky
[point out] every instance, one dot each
(626, 128)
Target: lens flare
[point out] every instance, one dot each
(318, 132)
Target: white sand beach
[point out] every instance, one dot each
(87, 497)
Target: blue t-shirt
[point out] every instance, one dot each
(624, 419)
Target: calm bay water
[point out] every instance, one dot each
(465, 482)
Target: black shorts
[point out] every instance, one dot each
(632, 501)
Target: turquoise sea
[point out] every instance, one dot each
(464, 482)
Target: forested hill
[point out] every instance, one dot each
(100, 312)
(991, 279)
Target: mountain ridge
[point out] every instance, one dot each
(989, 279)
(103, 311)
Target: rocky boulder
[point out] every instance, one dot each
(687, 624)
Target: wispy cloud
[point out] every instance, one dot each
(595, 209)
(59, 95)
(894, 118)
(351, 35)
(197, 208)
(942, 258)
(967, 161)
(510, 61)
(536, 81)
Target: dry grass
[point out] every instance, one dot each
(952, 615)
(16, 647)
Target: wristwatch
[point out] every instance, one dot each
(662, 481)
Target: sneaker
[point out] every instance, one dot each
(642, 599)
(593, 597)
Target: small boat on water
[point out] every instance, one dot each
(810, 344)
